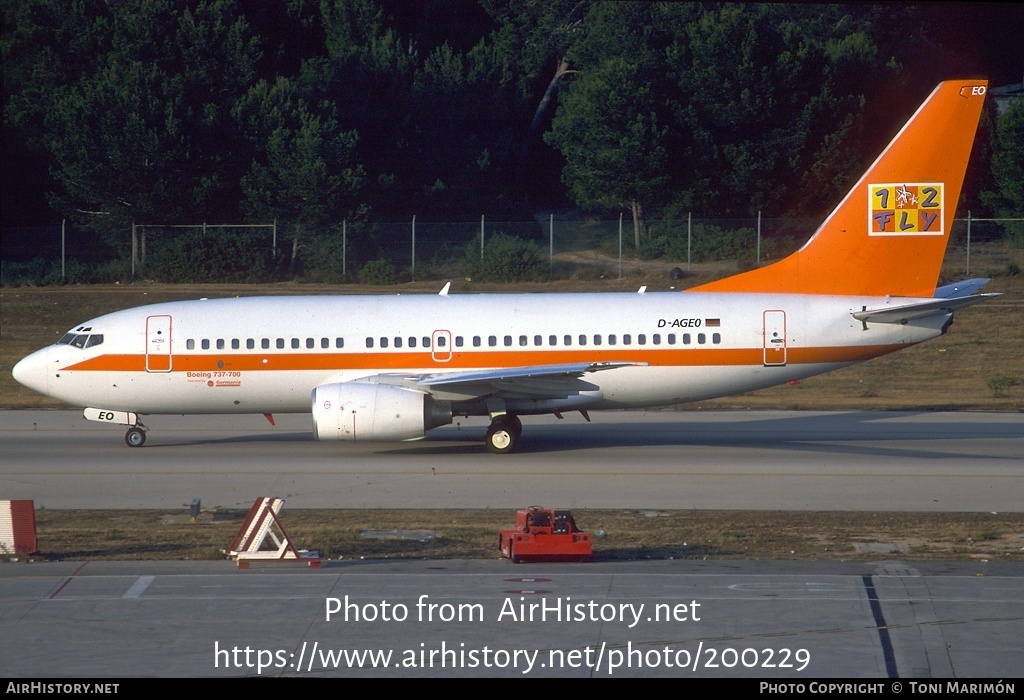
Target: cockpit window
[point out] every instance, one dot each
(81, 340)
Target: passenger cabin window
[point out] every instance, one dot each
(190, 344)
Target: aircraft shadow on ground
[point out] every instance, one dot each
(860, 433)
(866, 434)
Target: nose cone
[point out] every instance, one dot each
(32, 371)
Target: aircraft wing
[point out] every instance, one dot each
(537, 381)
(504, 374)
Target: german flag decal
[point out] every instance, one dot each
(905, 209)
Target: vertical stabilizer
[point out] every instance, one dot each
(889, 234)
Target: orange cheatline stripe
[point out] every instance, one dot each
(399, 361)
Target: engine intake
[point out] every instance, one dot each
(362, 411)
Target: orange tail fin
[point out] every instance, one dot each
(889, 234)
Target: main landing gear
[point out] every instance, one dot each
(503, 433)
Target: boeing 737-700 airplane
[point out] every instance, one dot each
(393, 367)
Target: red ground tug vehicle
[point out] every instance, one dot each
(544, 534)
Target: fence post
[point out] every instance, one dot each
(689, 231)
(551, 243)
(968, 242)
(481, 236)
(344, 247)
(414, 245)
(63, 222)
(620, 245)
(758, 236)
(135, 248)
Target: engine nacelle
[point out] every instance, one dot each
(361, 411)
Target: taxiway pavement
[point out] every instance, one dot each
(761, 460)
(801, 622)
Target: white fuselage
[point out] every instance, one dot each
(266, 354)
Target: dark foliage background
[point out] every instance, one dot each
(311, 114)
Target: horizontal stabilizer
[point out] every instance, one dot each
(961, 289)
(904, 312)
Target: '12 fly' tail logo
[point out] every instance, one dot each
(905, 209)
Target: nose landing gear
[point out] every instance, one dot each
(135, 437)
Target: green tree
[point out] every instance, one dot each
(437, 121)
(1006, 198)
(129, 111)
(730, 108)
(533, 41)
(608, 125)
(304, 173)
(767, 97)
(609, 132)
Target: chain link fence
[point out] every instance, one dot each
(386, 252)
